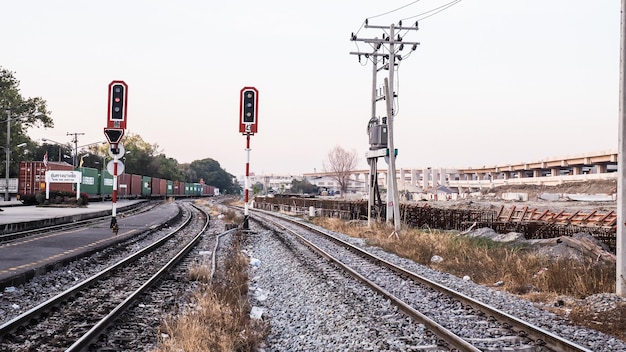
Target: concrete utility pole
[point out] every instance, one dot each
(7, 155)
(381, 135)
(620, 284)
(75, 141)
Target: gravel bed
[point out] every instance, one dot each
(312, 307)
(298, 303)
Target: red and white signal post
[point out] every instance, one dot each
(248, 125)
(116, 126)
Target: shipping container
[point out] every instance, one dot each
(32, 178)
(178, 188)
(146, 186)
(90, 183)
(129, 186)
(170, 188)
(159, 187)
(106, 185)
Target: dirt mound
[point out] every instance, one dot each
(583, 187)
(578, 246)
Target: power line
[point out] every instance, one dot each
(436, 10)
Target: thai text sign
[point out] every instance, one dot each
(63, 176)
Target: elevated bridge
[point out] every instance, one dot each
(550, 171)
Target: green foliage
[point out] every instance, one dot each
(257, 188)
(211, 173)
(59, 198)
(303, 186)
(25, 113)
(143, 158)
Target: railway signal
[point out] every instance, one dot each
(116, 125)
(248, 125)
(118, 98)
(248, 110)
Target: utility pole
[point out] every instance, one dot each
(75, 141)
(620, 253)
(388, 49)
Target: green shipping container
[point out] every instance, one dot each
(106, 185)
(90, 182)
(146, 185)
(170, 188)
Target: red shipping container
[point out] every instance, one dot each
(129, 185)
(135, 185)
(159, 187)
(162, 187)
(179, 187)
(32, 178)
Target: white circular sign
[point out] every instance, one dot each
(120, 167)
(120, 151)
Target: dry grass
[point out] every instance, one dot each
(487, 262)
(220, 319)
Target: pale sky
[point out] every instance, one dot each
(493, 81)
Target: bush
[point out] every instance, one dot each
(56, 197)
(28, 199)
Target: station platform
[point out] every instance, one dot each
(18, 217)
(22, 259)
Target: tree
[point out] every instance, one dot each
(303, 186)
(211, 172)
(25, 113)
(142, 156)
(257, 188)
(340, 165)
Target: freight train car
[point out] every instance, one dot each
(98, 184)
(129, 186)
(32, 179)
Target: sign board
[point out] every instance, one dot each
(120, 151)
(63, 176)
(114, 135)
(111, 165)
(12, 185)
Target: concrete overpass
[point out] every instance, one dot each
(550, 171)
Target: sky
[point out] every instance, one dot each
(492, 81)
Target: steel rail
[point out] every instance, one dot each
(84, 341)
(438, 329)
(34, 312)
(549, 339)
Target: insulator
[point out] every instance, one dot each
(399, 38)
(417, 25)
(366, 21)
(400, 23)
(401, 46)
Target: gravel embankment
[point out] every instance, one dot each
(314, 309)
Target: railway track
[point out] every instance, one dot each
(73, 319)
(459, 321)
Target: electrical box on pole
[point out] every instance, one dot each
(248, 110)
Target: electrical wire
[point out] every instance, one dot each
(385, 13)
(435, 10)
(399, 8)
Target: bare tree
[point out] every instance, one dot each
(340, 165)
